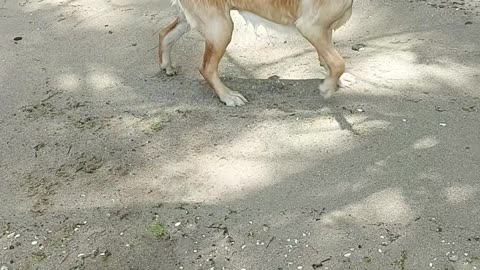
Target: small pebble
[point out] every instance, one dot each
(453, 258)
(34, 243)
(300, 267)
(442, 124)
(359, 47)
(178, 224)
(11, 235)
(17, 38)
(347, 255)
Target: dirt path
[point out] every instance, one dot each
(107, 164)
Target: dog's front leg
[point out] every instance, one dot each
(218, 34)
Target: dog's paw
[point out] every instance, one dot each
(169, 70)
(346, 80)
(233, 98)
(327, 89)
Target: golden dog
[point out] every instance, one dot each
(314, 19)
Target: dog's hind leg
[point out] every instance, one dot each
(218, 34)
(321, 39)
(167, 38)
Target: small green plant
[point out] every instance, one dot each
(157, 230)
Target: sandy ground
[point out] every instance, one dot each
(108, 164)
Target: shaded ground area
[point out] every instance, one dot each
(108, 164)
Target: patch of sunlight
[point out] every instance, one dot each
(459, 194)
(264, 155)
(424, 143)
(454, 75)
(393, 66)
(102, 80)
(69, 82)
(92, 14)
(388, 205)
(48, 4)
(290, 55)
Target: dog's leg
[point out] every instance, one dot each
(167, 38)
(321, 39)
(218, 34)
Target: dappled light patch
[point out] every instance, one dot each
(99, 80)
(388, 206)
(69, 82)
(460, 193)
(426, 142)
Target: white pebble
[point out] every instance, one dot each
(178, 224)
(299, 267)
(442, 124)
(17, 236)
(244, 246)
(347, 255)
(81, 255)
(34, 243)
(380, 250)
(10, 235)
(431, 264)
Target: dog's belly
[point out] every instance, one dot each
(257, 21)
(282, 12)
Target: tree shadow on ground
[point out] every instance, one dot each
(106, 154)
